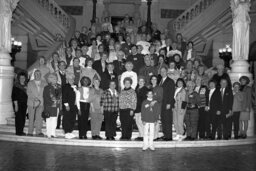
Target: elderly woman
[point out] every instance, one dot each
(19, 98)
(96, 109)
(35, 103)
(52, 104)
(127, 105)
(179, 109)
(246, 105)
(192, 115)
(110, 104)
(141, 91)
(83, 99)
(69, 108)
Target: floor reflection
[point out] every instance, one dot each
(27, 156)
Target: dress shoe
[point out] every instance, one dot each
(108, 138)
(21, 134)
(83, 137)
(30, 135)
(94, 137)
(144, 148)
(40, 135)
(99, 137)
(112, 138)
(152, 148)
(167, 139)
(139, 139)
(52, 136)
(236, 137)
(219, 138)
(187, 138)
(244, 136)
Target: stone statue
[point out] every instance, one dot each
(241, 28)
(6, 9)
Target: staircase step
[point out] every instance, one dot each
(60, 132)
(123, 144)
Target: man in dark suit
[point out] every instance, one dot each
(101, 65)
(109, 76)
(168, 86)
(223, 122)
(69, 107)
(213, 106)
(226, 108)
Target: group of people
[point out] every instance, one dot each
(137, 74)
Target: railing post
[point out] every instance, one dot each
(94, 11)
(149, 2)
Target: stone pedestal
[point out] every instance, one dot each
(6, 84)
(241, 68)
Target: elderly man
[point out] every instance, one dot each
(221, 74)
(35, 103)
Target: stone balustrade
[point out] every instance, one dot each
(56, 11)
(199, 7)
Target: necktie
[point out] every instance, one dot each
(222, 93)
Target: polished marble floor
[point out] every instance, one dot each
(27, 156)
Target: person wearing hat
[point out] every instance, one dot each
(246, 105)
(52, 95)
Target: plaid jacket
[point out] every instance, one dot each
(107, 101)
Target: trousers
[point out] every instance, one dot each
(51, 124)
(83, 119)
(69, 119)
(110, 123)
(166, 119)
(20, 118)
(191, 121)
(139, 124)
(126, 123)
(96, 121)
(148, 134)
(35, 119)
(178, 120)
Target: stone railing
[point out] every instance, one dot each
(56, 11)
(196, 9)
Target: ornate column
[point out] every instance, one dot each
(241, 30)
(137, 15)
(94, 11)
(149, 2)
(106, 12)
(6, 70)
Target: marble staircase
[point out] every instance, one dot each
(7, 133)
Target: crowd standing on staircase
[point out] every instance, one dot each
(125, 73)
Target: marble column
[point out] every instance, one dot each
(149, 2)
(106, 12)
(137, 15)
(240, 66)
(6, 70)
(94, 11)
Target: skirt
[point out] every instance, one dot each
(244, 116)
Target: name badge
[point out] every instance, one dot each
(191, 96)
(150, 74)
(135, 59)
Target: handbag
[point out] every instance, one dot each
(184, 105)
(45, 115)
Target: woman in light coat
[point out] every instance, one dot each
(179, 109)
